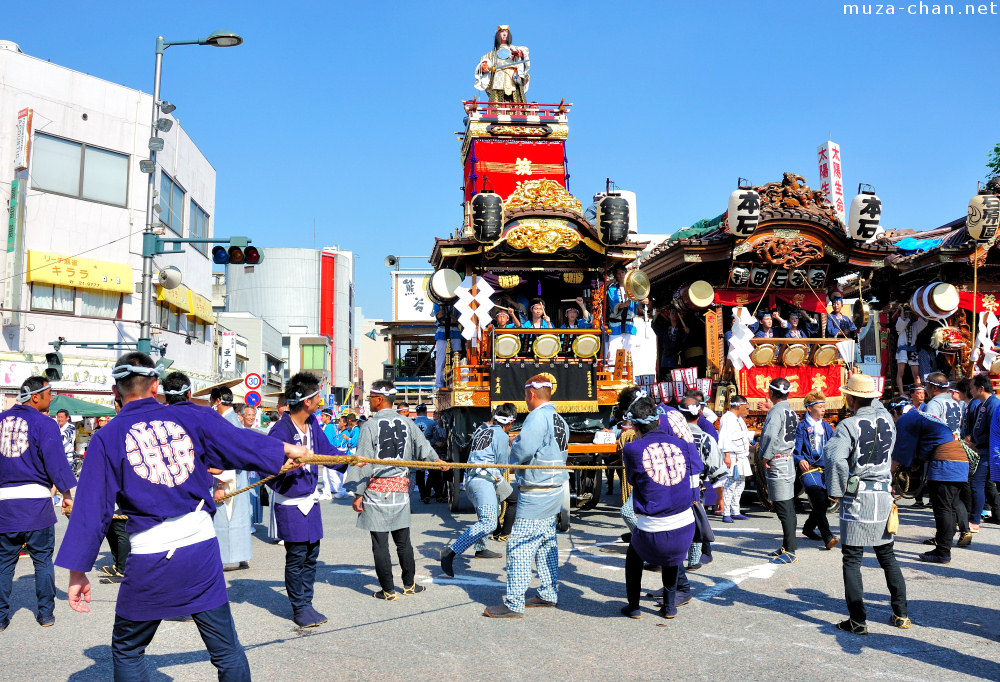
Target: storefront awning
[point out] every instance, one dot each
(79, 273)
(200, 308)
(178, 297)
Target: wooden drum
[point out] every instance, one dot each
(694, 296)
(935, 301)
(764, 354)
(586, 346)
(826, 356)
(795, 354)
(443, 285)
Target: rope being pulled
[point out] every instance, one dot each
(354, 460)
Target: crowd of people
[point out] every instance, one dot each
(158, 483)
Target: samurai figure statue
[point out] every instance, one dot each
(503, 72)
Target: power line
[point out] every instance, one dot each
(77, 255)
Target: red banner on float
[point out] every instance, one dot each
(753, 381)
(986, 301)
(501, 165)
(806, 300)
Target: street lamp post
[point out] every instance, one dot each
(217, 39)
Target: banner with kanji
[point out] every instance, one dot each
(986, 301)
(805, 299)
(753, 381)
(574, 384)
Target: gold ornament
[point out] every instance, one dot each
(542, 237)
(508, 281)
(572, 277)
(542, 193)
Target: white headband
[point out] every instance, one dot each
(692, 409)
(776, 389)
(24, 395)
(122, 371)
(383, 391)
(180, 391)
(502, 420)
(538, 384)
(297, 399)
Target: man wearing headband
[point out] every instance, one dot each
(980, 438)
(154, 459)
(32, 462)
(908, 326)
(296, 508)
(577, 317)
(233, 523)
(923, 440)
(734, 442)
(777, 443)
(621, 313)
(857, 471)
(486, 487)
(382, 491)
(839, 325)
(712, 475)
(811, 437)
(659, 466)
(544, 439)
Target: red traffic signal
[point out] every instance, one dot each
(238, 253)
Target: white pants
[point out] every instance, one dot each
(333, 481)
(618, 342)
(732, 492)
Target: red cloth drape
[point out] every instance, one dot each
(753, 381)
(799, 298)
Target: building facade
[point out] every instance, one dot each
(70, 147)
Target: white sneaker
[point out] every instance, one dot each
(326, 496)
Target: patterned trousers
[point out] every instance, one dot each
(731, 494)
(628, 514)
(477, 532)
(532, 540)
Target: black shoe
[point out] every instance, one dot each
(414, 589)
(852, 627)
(47, 622)
(307, 618)
(537, 602)
(682, 597)
(694, 567)
(626, 537)
(447, 561)
(812, 535)
(631, 613)
(488, 554)
(501, 611)
(385, 596)
(934, 558)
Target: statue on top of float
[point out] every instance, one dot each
(503, 72)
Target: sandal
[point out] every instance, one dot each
(903, 623)
(852, 627)
(386, 596)
(777, 552)
(413, 589)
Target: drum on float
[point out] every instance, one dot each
(547, 346)
(826, 355)
(795, 354)
(694, 296)
(764, 354)
(507, 346)
(637, 285)
(935, 301)
(586, 346)
(442, 287)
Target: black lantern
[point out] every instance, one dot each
(612, 219)
(487, 216)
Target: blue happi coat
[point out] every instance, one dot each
(806, 450)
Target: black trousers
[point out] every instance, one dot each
(633, 580)
(508, 517)
(300, 572)
(965, 502)
(817, 517)
(119, 543)
(383, 562)
(428, 481)
(946, 501)
(785, 511)
(854, 590)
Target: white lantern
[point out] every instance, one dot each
(866, 211)
(740, 276)
(984, 213)
(758, 276)
(744, 212)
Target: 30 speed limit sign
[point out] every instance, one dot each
(253, 381)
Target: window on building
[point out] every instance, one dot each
(198, 226)
(174, 320)
(206, 330)
(313, 357)
(164, 315)
(99, 303)
(52, 298)
(172, 204)
(79, 170)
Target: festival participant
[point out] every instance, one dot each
(671, 339)
(68, 433)
(117, 535)
(502, 318)
(908, 326)
(486, 487)
(577, 317)
(839, 325)
(503, 83)
(765, 326)
(537, 317)
(797, 329)
(153, 459)
(777, 443)
(430, 483)
(446, 328)
(811, 436)
(734, 442)
(298, 517)
(233, 525)
(327, 473)
(706, 418)
(621, 313)
(382, 491)
(982, 390)
(925, 440)
(544, 439)
(659, 467)
(858, 472)
(32, 462)
(713, 473)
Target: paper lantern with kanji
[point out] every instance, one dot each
(613, 219)
(487, 216)
(984, 213)
(866, 212)
(744, 212)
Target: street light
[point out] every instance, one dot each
(217, 39)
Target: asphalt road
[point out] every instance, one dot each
(748, 619)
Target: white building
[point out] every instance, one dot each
(70, 146)
(261, 353)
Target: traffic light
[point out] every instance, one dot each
(54, 371)
(237, 253)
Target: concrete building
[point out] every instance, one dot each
(260, 353)
(70, 146)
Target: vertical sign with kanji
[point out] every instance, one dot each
(410, 302)
(227, 353)
(831, 177)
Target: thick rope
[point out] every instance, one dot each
(123, 517)
(354, 460)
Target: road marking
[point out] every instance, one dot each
(762, 571)
(463, 580)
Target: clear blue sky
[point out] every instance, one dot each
(344, 112)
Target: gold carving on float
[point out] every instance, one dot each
(542, 193)
(829, 251)
(785, 252)
(792, 192)
(462, 399)
(542, 236)
(501, 129)
(692, 257)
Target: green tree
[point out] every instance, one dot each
(993, 163)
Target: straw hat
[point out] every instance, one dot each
(861, 386)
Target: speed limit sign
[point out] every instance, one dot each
(253, 381)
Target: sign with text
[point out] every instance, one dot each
(409, 296)
(831, 177)
(81, 273)
(227, 352)
(22, 149)
(574, 384)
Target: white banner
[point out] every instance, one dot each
(409, 296)
(831, 177)
(22, 150)
(227, 352)
(75, 377)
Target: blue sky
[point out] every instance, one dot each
(343, 113)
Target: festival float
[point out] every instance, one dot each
(525, 237)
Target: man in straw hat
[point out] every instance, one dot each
(777, 445)
(858, 471)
